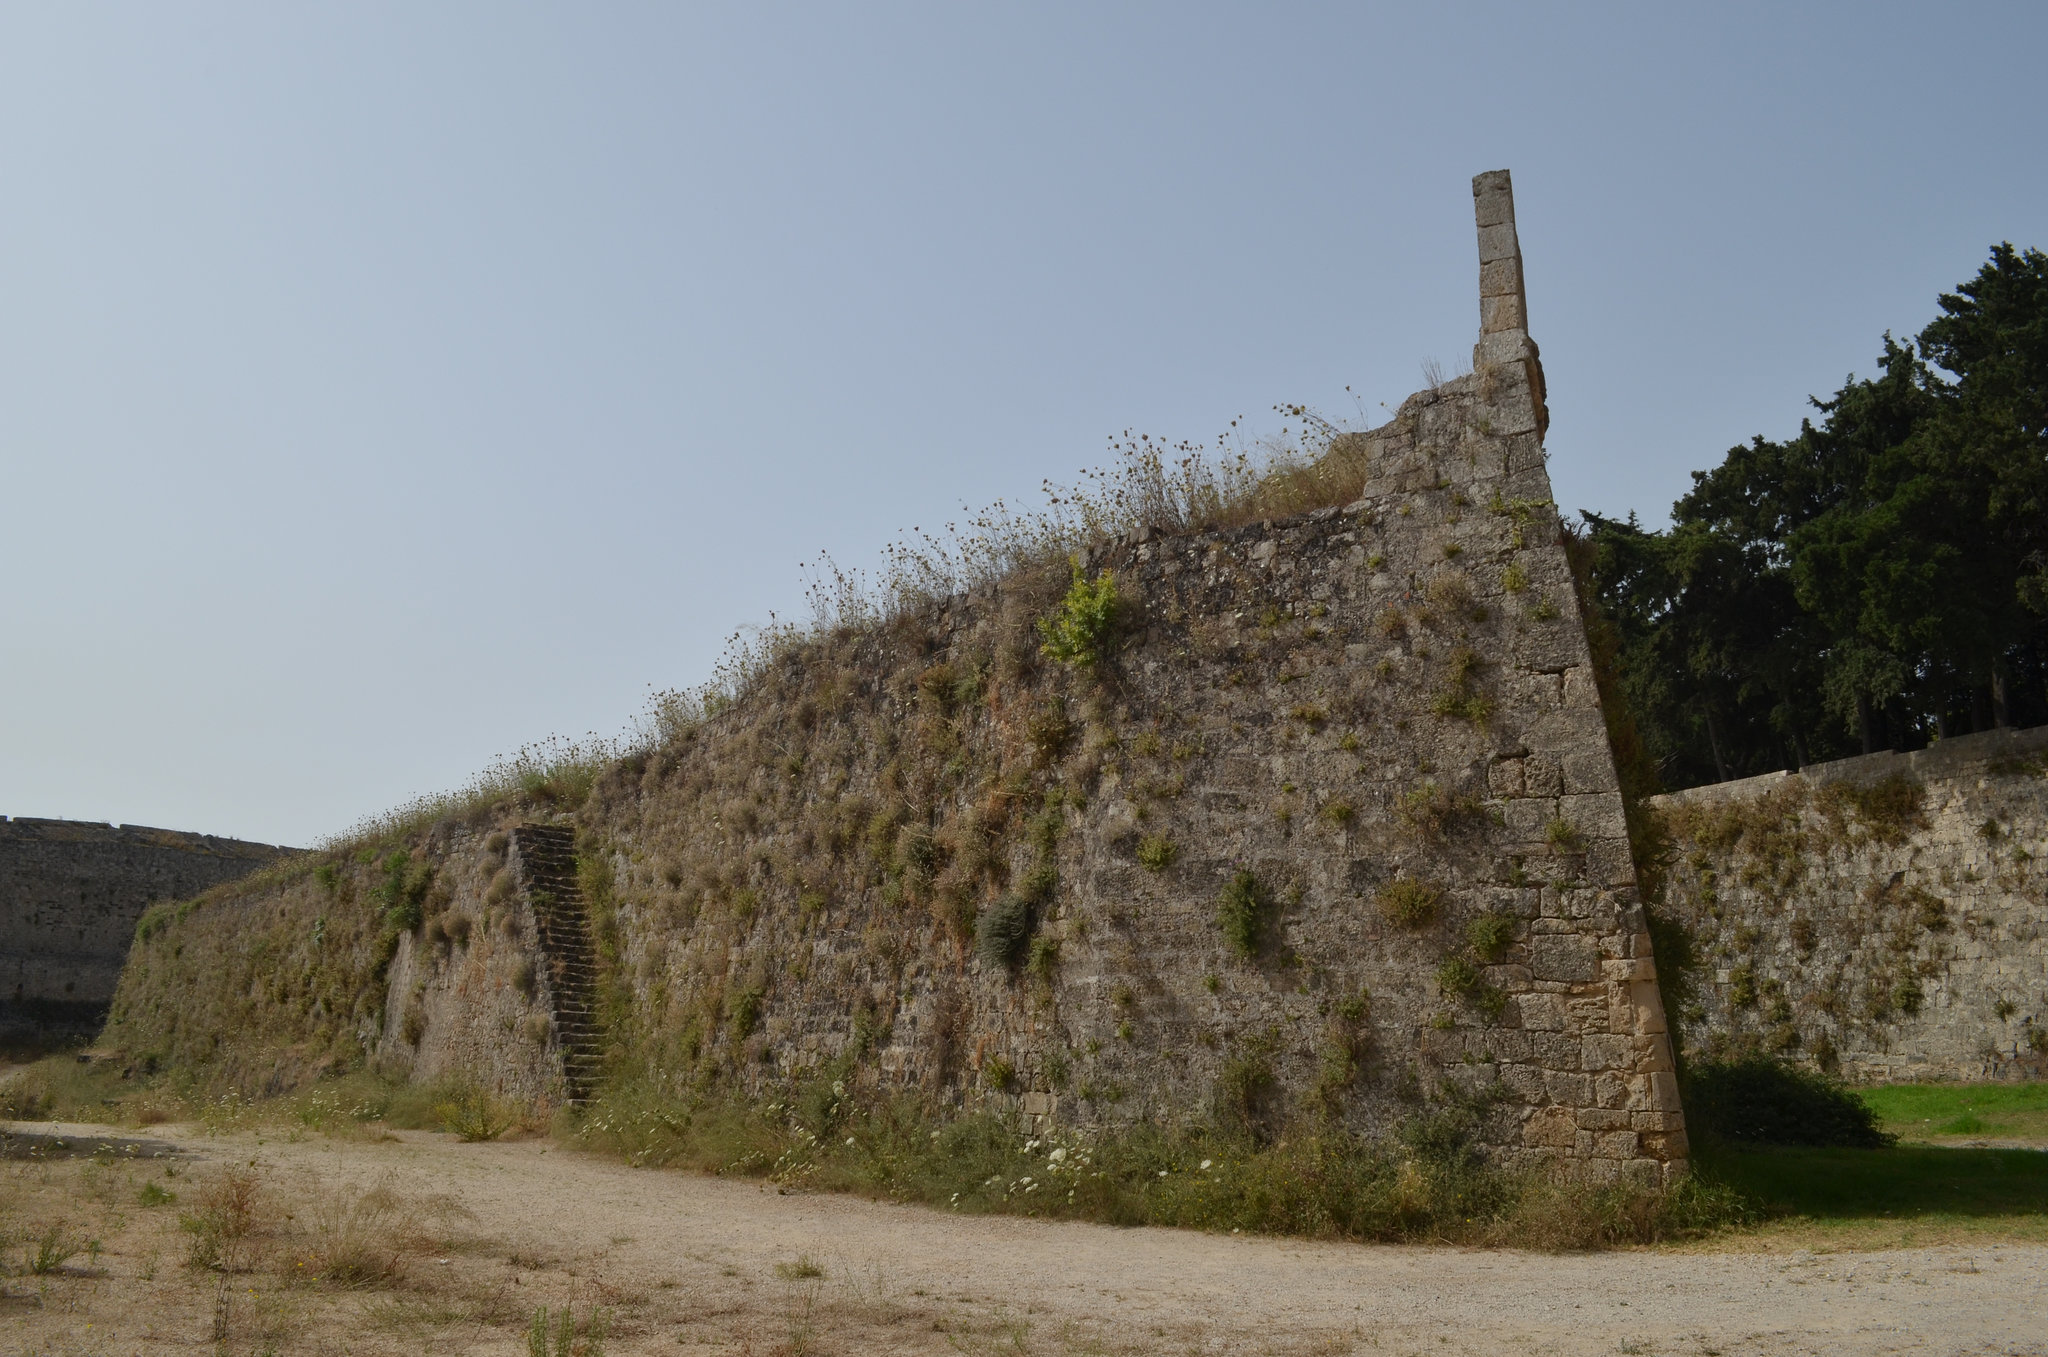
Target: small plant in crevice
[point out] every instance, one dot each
(1156, 852)
(1079, 630)
(1563, 836)
(1338, 811)
(999, 1074)
(1457, 978)
(1243, 911)
(1489, 936)
(1431, 812)
(1459, 697)
(1409, 902)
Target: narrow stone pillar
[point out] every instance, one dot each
(1503, 302)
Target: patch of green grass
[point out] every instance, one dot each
(1998, 1111)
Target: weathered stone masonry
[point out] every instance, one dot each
(70, 895)
(1886, 916)
(1392, 698)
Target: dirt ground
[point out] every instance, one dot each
(477, 1237)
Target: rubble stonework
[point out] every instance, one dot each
(1884, 916)
(1375, 722)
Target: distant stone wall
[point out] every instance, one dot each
(70, 895)
(1886, 916)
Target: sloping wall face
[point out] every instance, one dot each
(1325, 828)
(1886, 916)
(1374, 728)
(70, 895)
(467, 993)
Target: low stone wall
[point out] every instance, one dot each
(1886, 916)
(70, 895)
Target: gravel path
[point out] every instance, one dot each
(696, 1264)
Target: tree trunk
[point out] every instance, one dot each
(1980, 709)
(2001, 696)
(1714, 740)
(1895, 725)
(1866, 723)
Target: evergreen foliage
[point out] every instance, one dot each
(1877, 581)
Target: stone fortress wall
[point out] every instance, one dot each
(1374, 726)
(70, 895)
(1886, 916)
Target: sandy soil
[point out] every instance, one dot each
(689, 1264)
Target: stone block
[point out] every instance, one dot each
(1541, 1012)
(1609, 863)
(1603, 1119)
(1525, 817)
(1501, 278)
(1498, 242)
(1603, 1051)
(1523, 1082)
(1569, 1090)
(1502, 313)
(1664, 1092)
(1504, 777)
(1588, 771)
(1612, 1090)
(1568, 956)
(1551, 1126)
(1616, 1145)
(1648, 1002)
(1493, 204)
(1596, 816)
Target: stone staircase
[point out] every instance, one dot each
(544, 860)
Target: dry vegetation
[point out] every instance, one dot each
(366, 1241)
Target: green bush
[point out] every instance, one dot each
(1155, 852)
(1768, 1102)
(1489, 936)
(1003, 932)
(1408, 902)
(1242, 913)
(1079, 630)
(403, 891)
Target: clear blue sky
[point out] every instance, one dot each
(385, 386)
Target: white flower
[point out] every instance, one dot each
(1059, 1156)
(1206, 1163)
(849, 1140)
(1162, 1173)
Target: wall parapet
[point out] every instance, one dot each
(1942, 759)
